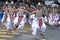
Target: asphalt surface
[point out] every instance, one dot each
(50, 34)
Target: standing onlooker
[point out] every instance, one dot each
(1, 15)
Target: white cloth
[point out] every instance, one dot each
(43, 27)
(50, 19)
(8, 26)
(34, 31)
(31, 18)
(34, 26)
(50, 22)
(21, 24)
(15, 22)
(46, 19)
(59, 22)
(8, 23)
(8, 19)
(35, 23)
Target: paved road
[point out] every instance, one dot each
(50, 34)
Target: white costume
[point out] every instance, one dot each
(8, 23)
(53, 19)
(31, 18)
(15, 22)
(56, 19)
(42, 25)
(44, 19)
(50, 19)
(22, 22)
(34, 25)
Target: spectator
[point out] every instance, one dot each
(1, 15)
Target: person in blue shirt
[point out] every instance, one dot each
(1, 15)
(27, 16)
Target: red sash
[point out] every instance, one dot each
(19, 18)
(40, 23)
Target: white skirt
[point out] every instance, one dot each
(59, 22)
(43, 28)
(21, 24)
(50, 22)
(8, 23)
(15, 21)
(35, 25)
(8, 26)
(34, 31)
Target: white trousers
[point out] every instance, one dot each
(34, 31)
(15, 22)
(8, 25)
(21, 26)
(43, 28)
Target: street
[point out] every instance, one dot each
(50, 34)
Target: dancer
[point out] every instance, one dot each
(21, 22)
(34, 25)
(8, 23)
(42, 26)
